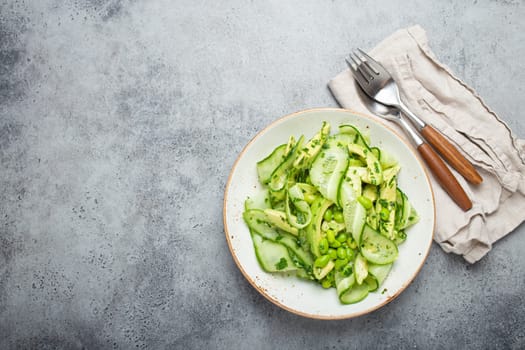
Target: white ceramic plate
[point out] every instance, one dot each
(307, 298)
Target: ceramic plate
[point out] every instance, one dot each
(308, 298)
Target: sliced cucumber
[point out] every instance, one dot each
(408, 215)
(343, 283)
(401, 215)
(303, 213)
(358, 137)
(377, 152)
(280, 174)
(256, 220)
(354, 215)
(313, 231)
(380, 272)
(372, 283)
(354, 294)
(387, 160)
(273, 257)
(329, 168)
(413, 218)
(376, 248)
(267, 166)
(278, 219)
(260, 200)
(342, 140)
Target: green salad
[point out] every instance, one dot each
(330, 211)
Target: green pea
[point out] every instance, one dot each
(350, 254)
(365, 202)
(342, 237)
(384, 214)
(322, 261)
(341, 253)
(332, 253)
(338, 217)
(340, 263)
(326, 283)
(323, 246)
(330, 235)
(328, 215)
(335, 243)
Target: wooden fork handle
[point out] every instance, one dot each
(451, 155)
(445, 178)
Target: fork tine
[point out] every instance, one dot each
(350, 64)
(365, 67)
(362, 66)
(356, 72)
(373, 64)
(355, 59)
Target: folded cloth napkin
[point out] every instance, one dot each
(442, 100)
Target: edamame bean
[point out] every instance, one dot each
(332, 253)
(384, 214)
(328, 215)
(365, 202)
(338, 217)
(323, 246)
(340, 263)
(326, 283)
(350, 254)
(330, 235)
(341, 253)
(335, 244)
(322, 261)
(342, 237)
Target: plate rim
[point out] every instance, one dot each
(261, 290)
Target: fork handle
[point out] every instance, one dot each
(451, 154)
(444, 176)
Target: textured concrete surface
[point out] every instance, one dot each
(119, 123)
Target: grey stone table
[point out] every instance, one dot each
(119, 123)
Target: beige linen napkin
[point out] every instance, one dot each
(442, 100)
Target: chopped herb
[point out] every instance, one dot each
(282, 264)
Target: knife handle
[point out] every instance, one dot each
(444, 176)
(451, 155)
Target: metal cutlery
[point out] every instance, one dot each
(379, 86)
(375, 80)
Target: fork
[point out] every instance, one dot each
(370, 77)
(375, 80)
